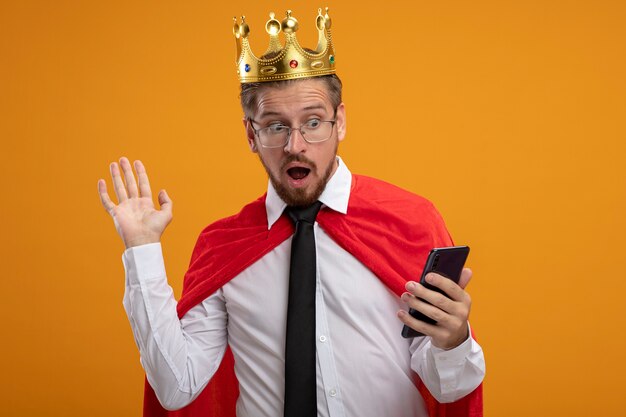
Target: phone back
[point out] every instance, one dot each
(447, 262)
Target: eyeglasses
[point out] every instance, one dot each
(277, 135)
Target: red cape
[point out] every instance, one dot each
(385, 227)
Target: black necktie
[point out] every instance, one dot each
(300, 364)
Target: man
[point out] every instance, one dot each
(336, 350)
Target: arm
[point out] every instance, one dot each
(179, 356)
(451, 374)
(449, 362)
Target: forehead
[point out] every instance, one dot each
(293, 98)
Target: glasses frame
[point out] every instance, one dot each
(290, 131)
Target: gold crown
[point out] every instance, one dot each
(284, 62)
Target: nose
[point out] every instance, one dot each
(295, 142)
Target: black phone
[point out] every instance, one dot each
(447, 262)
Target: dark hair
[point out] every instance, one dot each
(249, 91)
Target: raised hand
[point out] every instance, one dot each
(136, 219)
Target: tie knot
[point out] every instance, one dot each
(307, 214)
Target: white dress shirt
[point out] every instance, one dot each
(364, 367)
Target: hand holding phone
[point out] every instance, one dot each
(447, 262)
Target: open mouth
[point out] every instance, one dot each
(298, 173)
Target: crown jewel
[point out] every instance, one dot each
(284, 62)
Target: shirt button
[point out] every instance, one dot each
(322, 339)
(333, 392)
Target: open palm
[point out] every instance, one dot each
(136, 218)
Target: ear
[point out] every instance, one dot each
(341, 122)
(247, 125)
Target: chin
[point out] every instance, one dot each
(298, 197)
(301, 197)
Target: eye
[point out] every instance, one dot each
(276, 129)
(313, 124)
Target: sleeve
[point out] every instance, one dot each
(179, 355)
(448, 374)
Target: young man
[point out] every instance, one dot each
(345, 355)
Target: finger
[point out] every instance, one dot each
(451, 288)
(436, 299)
(118, 183)
(435, 313)
(466, 276)
(129, 178)
(418, 325)
(104, 196)
(142, 177)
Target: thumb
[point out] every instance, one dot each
(466, 275)
(164, 201)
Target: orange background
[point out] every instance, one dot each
(509, 116)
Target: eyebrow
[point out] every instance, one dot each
(308, 108)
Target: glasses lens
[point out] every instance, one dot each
(274, 136)
(317, 131)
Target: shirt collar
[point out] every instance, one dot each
(335, 196)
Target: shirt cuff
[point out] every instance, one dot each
(450, 363)
(458, 353)
(144, 262)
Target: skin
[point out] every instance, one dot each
(139, 222)
(451, 313)
(136, 219)
(293, 105)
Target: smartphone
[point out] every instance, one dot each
(447, 262)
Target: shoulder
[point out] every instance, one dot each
(250, 220)
(252, 214)
(372, 191)
(391, 209)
